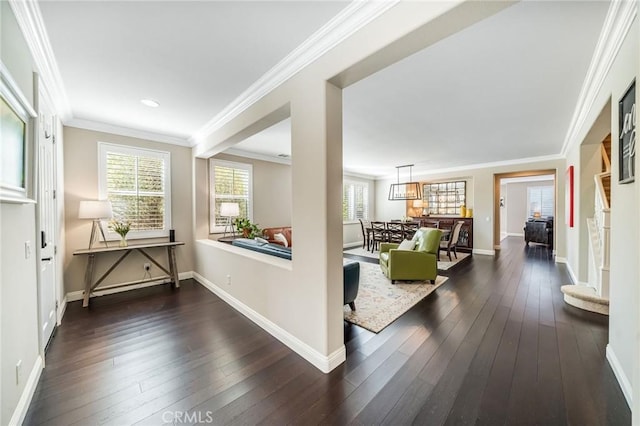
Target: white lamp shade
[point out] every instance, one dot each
(229, 209)
(95, 210)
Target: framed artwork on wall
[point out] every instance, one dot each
(568, 204)
(627, 137)
(16, 117)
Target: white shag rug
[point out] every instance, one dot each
(443, 264)
(379, 302)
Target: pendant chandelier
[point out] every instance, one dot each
(406, 190)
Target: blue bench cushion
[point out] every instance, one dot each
(267, 248)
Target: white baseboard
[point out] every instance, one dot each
(573, 276)
(324, 363)
(62, 309)
(27, 394)
(515, 234)
(484, 252)
(78, 295)
(624, 382)
(354, 244)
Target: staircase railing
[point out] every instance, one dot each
(602, 225)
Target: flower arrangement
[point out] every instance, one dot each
(122, 229)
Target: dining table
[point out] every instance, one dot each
(385, 232)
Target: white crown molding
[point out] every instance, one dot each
(29, 19)
(256, 156)
(616, 26)
(420, 172)
(343, 25)
(349, 174)
(125, 131)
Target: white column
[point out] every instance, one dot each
(316, 133)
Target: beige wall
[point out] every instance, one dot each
(315, 106)
(516, 208)
(271, 191)
(272, 196)
(81, 183)
(18, 280)
(624, 320)
(480, 184)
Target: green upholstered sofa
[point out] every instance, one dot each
(421, 263)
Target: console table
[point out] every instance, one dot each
(90, 286)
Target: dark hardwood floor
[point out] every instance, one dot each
(494, 345)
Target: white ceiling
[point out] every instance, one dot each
(503, 89)
(194, 57)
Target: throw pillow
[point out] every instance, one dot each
(407, 245)
(281, 238)
(261, 241)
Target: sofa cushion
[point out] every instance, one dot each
(280, 238)
(407, 245)
(269, 234)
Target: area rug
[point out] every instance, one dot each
(443, 265)
(379, 302)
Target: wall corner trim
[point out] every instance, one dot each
(324, 363)
(624, 382)
(27, 394)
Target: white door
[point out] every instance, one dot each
(46, 223)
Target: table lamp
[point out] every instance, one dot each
(229, 210)
(96, 210)
(417, 205)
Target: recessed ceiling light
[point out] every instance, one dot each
(150, 103)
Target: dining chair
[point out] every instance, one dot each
(365, 225)
(378, 234)
(394, 232)
(409, 229)
(452, 242)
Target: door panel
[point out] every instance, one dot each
(46, 223)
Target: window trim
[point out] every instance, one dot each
(213, 229)
(541, 188)
(103, 148)
(366, 185)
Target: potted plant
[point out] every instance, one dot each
(122, 229)
(248, 229)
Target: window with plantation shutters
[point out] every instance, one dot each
(137, 182)
(231, 182)
(355, 201)
(541, 201)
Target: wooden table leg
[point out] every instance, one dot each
(88, 278)
(173, 269)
